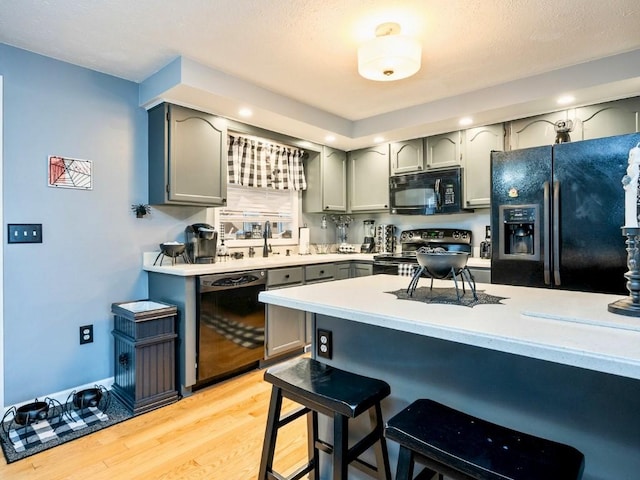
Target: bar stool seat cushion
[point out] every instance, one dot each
(479, 448)
(330, 389)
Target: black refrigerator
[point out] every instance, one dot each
(557, 213)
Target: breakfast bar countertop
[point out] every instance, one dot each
(566, 327)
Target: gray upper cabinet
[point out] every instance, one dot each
(607, 119)
(593, 121)
(407, 156)
(535, 131)
(443, 151)
(477, 146)
(369, 179)
(187, 157)
(326, 175)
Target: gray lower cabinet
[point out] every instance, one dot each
(288, 331)
(361, 269)
(323, 272)
(353, 269)
(343, 270)
(285, 328)
(187, 157)
(481, 275)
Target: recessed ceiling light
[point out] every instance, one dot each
(330, 138)
(245, 112)
(566, 99)
(378, 139)
(466, 121)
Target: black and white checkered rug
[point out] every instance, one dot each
(25, 441)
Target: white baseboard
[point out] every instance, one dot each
(64, 394)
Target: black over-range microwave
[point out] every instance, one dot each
(426, 193)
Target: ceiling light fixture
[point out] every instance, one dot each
(389, 56)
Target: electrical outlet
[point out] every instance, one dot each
(86, 334)
(324, 344)
(25, 233)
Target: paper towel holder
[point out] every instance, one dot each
(303, 241)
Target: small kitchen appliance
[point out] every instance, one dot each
(369, 242)
(201, 240)
(426, 193)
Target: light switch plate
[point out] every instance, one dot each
(24, 233)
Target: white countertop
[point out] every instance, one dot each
(571, 328)
(246, 263)
(272, 261)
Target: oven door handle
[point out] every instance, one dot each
(230, 283)
(387, 263)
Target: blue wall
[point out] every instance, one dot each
(92, 250)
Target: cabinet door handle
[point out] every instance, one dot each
(321, 272)
(286, 276)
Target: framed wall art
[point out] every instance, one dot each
(67, 172)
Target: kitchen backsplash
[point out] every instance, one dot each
(476, 222)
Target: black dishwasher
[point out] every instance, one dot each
(231, 320)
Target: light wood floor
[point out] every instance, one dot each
(214, 434)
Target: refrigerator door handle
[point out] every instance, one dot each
(556, 232)
(547, 235)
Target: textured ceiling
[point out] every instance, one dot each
(306, 49)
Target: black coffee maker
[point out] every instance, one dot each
(201, 240)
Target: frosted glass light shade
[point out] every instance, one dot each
(389, 57)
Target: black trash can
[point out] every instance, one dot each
(145, 354)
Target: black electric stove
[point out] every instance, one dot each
(411, 240)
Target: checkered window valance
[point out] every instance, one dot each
(260, 163)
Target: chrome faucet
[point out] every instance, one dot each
(266, 233)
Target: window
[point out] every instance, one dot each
(247, 210)
(263, 185)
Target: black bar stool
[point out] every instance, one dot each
(341, 395)
(463, 447)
